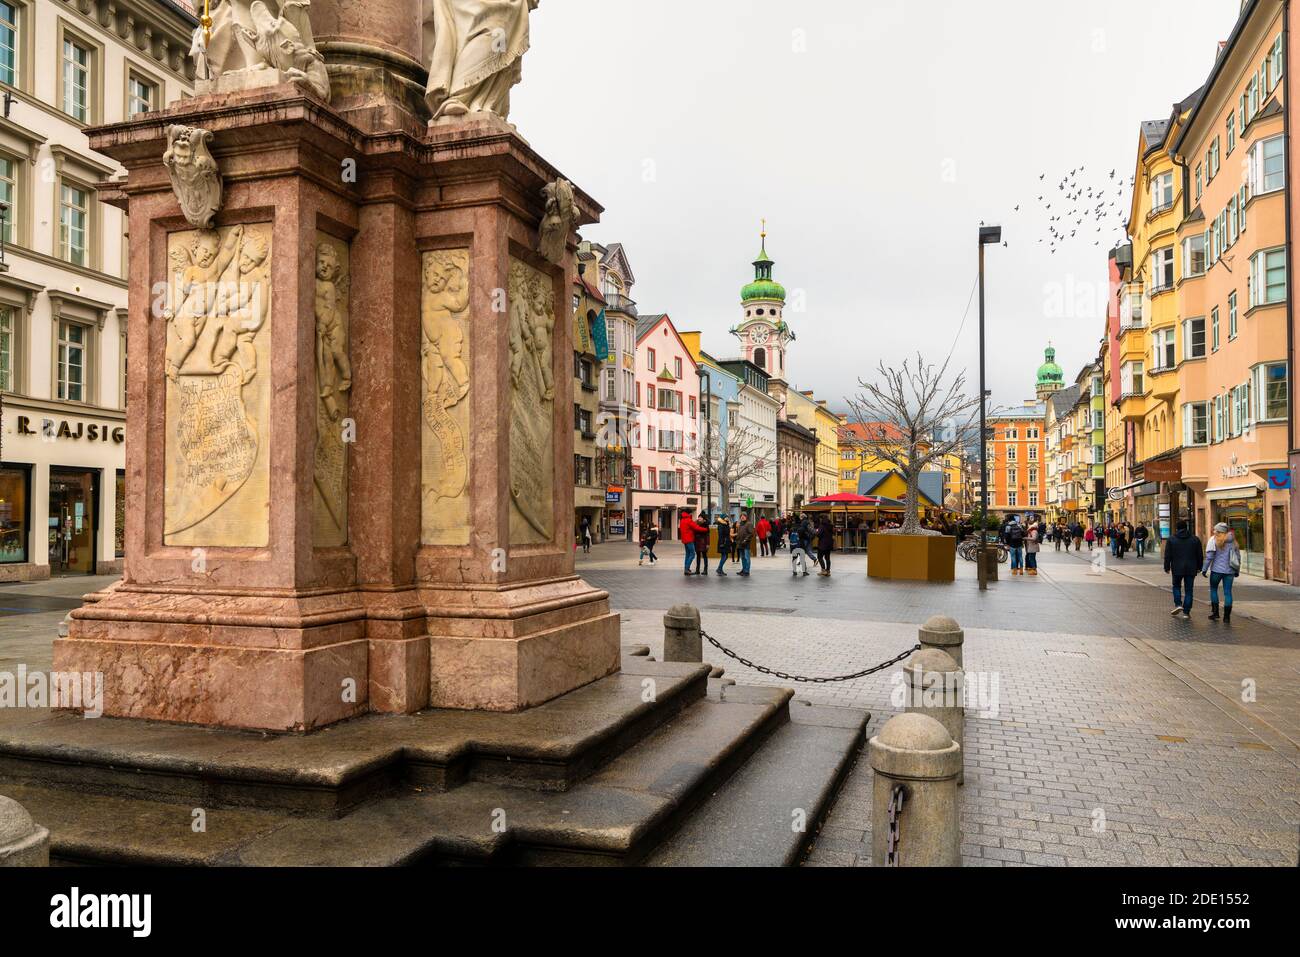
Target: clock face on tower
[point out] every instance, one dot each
(759, 335)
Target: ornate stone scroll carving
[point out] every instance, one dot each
(532, 402)
(259, 44)
(477, 55)
(557, 221)
(333, 387)
(444, 364)
(218, 369)
(196, 181)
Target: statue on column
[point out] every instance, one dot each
(476, 58)
(251, 38)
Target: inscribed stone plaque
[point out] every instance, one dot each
(218, 369)
(444, 368)
(532, 401)
(333, 391)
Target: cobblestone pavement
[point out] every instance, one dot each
(1120, 734)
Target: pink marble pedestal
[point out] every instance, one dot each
(291, 633)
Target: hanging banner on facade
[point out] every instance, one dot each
(601, 336)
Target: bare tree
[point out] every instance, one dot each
(745, 453)
(914, 418)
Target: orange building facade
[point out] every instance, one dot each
(1017, 461)
(1232, 350)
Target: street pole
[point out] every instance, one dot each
(987, 234)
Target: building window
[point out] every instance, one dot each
(1214, 329)
(1199, 175)
(1220, 419)
(1268, 277)
(1269, 384)
(13, 515)
(8, 347)
(71, 361)
(10, 66)
(1162, 269)
(1162, 192)
(9, 193)
(1033, 500)
(1162, 349)
(1275, 62)
(1232, 315)
(1240, 408)
(78, 60)
(1131, 378)
(74, 223)
(1196, 423)
(677, 367)
(1194, 255)
(1194, 338)
(650, 360)
(1268, 165)
(1231, 132)
(142, 97)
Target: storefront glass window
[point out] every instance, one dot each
(13, 515)
(1246, 518)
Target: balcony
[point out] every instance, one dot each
(1163, 383)
(1133, 406)
(617, 302)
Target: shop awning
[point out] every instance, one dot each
(1236, 491)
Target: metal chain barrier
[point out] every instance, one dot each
(803, 678)
(891, 842)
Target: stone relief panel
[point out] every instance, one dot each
(444, 366)
(333, 389)
(531, 301)
(218, 367)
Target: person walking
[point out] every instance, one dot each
(724, 542)
(744, 539)
(649, 538)
(764, 532)
(689, 531)
(1032, 545)
(1223, 564)
(799, 556)
(1183, 557)
(825, 545)
(1013, 536)
(778, 533)
(584, 534)
(1140, 536)
(1090, 536)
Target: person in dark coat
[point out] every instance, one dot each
(724, 542)
(825, 545)
(1183, 557)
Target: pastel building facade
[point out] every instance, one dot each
(666, 427)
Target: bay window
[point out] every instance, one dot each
(1196, 423)
(1162, 269)
(1269, 387)
(1162, 349)
(1268, 165)
(1194, 255)
(1162, 192)
(1268, 277)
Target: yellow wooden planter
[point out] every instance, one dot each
(923, 558)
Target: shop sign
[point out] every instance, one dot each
(1165, 470)
(1279, 479)
(91, 431)
(614, 494)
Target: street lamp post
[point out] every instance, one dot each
(988, 235)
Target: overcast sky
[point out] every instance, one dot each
(874, 135)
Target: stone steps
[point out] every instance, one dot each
(702, 774)
(766, 814)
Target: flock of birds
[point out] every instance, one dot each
(1078, 210)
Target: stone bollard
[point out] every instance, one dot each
(914, 750)
(943, 633)
(23, 843)
(682, 640)
(935, 687)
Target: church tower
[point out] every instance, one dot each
(763, 333)
(1050, 376)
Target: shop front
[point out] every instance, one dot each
(62, 492)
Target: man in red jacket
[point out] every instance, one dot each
(688, 529)
(764, 530)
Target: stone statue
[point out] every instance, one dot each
(477, 55)
(333, 370)
(249, 41)
(196, 181)
(557, 221)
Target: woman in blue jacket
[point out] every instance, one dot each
(1223, 563)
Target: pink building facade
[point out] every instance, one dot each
(666, 433)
